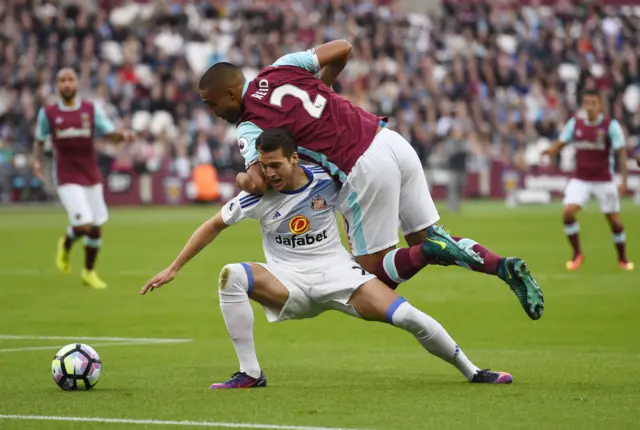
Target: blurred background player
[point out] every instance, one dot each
(72, 124)
(597, 139)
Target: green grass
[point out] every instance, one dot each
(577, 367)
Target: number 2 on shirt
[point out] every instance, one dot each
(314, 109)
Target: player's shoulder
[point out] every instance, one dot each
(86, 103)
(49, 107)
(249, 201)
(322, 183)
(319, 174)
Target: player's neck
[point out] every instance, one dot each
(68, 103)
(594, 119)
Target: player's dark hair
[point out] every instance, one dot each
(590, 92)
(273, 139)
(219, 74)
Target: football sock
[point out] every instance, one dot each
(491, 259)
(431, 335)
(92, 244)
(572, 230)
(620, 240)
(400, 265)
(71, 236)
(234, 290)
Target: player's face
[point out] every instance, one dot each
(67, 85)
(591, 105)
(223, 103)
(278, 168)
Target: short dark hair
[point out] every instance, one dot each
(218, 74)
(273, 139)
(590, 92)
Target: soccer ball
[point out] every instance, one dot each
(76, 366)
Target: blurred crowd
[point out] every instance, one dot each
(472, 83)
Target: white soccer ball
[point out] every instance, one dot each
(76, 367)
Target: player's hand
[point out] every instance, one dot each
(37, 170)
(164, 277)
(128, 136)
(547, 152)
(622, 189)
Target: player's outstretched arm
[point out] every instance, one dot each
(120, 136)
(554, 149)
(38, 150)
(253, 181)
(42, 133)
(566, 136)
(624, 170)
(332, 58)
(202, 237)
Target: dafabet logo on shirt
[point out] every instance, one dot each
(299, 224)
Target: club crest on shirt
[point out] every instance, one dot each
(318, 203)
(85, 120)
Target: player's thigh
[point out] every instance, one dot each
(577, 192)
(373, 300)
(74, 200)
(369, 201)
(95, 199)
(417, 209)
(335, 286)
(607, 195)
(281, 292)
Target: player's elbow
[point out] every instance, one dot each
(252, 182)
(345, 47)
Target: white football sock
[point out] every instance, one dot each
(431, 335)
(234, 285)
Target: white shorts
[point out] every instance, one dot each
(578, 193)
(387, 183)
(313, 292)
(84, 205)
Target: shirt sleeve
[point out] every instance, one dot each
(42, 126)
(103, 125)
(247, 134)
(616, 135)
(566, 135)
(307, 60)
(242, 206)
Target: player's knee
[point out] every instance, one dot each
(235, 279)
(372, 262)
(94, 232)
(81, 230)
(569, 213)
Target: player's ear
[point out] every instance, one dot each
(294, 158)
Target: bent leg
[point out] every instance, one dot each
(238, 282)
(373, 301)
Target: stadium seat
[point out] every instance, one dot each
(160, 121)
(140, 121)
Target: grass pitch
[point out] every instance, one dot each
(577, 367)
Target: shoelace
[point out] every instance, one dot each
(236, 378)
(487, 375)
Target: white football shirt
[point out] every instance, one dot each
(299, 227)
